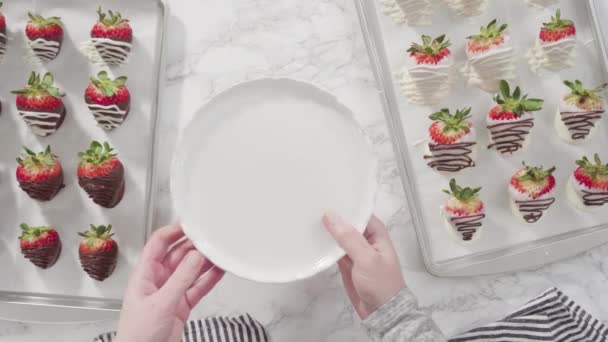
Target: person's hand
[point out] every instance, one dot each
(170, 279)
(370, 270)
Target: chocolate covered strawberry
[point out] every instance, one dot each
(45, 36)
(452, 141)
(464, 211)
(40, 174)
(428, 77)
(2, 34)
(532, 192)
(579, 112)
(109, 100)
(98, 252)
(588, 186)
(40, 245)
(556, 44)
(491, 57)
(112, 36)
(101, 175)
(40, 105)
(510, 121)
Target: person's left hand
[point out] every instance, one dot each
(168, 282)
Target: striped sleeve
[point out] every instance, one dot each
(402, 320)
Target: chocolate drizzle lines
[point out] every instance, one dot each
(533, 210)
(106, 191)
(450, 158)
(468, 225)
(596, 199)
(45, 190)
(99, 265)
(509, 137)
(580, 123)
(43, 256)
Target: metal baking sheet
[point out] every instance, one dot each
(71, 211)
(505, 244)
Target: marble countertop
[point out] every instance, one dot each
(216, 43)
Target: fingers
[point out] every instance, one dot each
(161, 240)
(376, 231)
(204, 285)
(177, 253)
(353, 243)
(346, 270)
(192, 266)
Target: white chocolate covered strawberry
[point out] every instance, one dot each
(464, 211)
(491, 57)
(410, 12)
(556, 45)
(452, 141)
(467, 8)
(588, 185)
(532, 192)
(579, 112)
(428, 77)
(510, 121)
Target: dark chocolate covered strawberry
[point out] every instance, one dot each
(109, 100)
(45, 36)
(40, 245)
(2, 34)
(40, 174)
(98, 252)
(101, 174)
(112, 36)
(40, 105)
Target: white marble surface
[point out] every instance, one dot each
(215, 43)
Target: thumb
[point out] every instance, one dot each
(351, 241)
(185, 275)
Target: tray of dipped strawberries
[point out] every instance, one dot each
(497, 114)
(79, 100)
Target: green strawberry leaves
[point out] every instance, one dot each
(462, 194)
(108, 87)
(96, 153)
(97, 233)
(515, 102)
(580, 94)
(111, 19)
(557, 22)
(594, 169)
(536, 174)
(32, 233)
(490, 32)
(42, 21)
(32, 160)
(430, 46)
(457, 122)
(37, 85)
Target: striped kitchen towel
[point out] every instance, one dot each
(552, 316)
(215, 329)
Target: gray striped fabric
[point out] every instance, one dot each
(216, 329)
(552, 316)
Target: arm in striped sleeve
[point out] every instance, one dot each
(402, 320)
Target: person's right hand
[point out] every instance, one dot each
(370, 270)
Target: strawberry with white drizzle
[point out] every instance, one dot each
(467, 8)
(464, 211)
(491, 57)
(511, 120)
(588, 185)
(428, 77)
(40, 104)
(452, 141)
(108, 99)
(579, 112)
(555, 47)
(112, 37)
(45, 36)
(532, 192)
(2, 34)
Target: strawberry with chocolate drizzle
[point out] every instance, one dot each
(452, 139)
(2, 34)
(98, 252)
(112, 36)
(40, 174)
(511, 120)
(589, 183)
(532, 192)
(464, 211)
(40, 245)
(108, 99)
(579, 112)
(45, 36)
(40, 105)
(101, 174)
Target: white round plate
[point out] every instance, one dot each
(256, 169)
